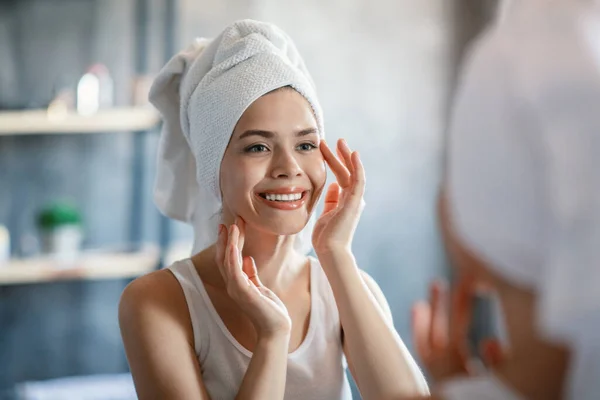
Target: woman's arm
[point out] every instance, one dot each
(265, 377)
(380, 363)
(378, 359)
(159, 343)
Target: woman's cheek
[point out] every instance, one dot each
(233, 189)
(322, 174)
(318, 176)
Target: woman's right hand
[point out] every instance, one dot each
(264, 309)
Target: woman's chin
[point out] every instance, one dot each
(282, 228)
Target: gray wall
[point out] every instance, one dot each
(384, 72)
(52, 330)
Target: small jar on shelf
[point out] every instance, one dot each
(61, 229)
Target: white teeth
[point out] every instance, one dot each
(284, 197)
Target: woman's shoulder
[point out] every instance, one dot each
(154, 299)
(160, 284)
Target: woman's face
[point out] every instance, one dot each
(273, 173)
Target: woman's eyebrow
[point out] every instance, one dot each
(305, 132)
(270, 135)
(257, 132)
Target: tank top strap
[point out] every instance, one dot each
(325, 302)
(195, 293)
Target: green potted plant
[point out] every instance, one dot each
(61, 229)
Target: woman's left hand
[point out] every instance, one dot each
(344, 202)
(441, 333)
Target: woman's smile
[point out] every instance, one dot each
(284, 198)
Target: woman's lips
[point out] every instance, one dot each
(284, 199)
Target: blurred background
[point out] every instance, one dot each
(77, 158)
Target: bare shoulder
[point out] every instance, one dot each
(159, 340)
(155, 288)
(154, 298)
(377, 294)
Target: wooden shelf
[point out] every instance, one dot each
(29, 122)
(90, 266)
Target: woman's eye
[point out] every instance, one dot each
(257, 148)
(306, 147)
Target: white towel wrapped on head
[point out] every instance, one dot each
(201, 93)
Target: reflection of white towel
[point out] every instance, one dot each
(201, 94)
(96, 387)
(523, 168)
(480, 388)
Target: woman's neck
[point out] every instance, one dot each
(277, 261)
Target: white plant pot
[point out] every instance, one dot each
(63, 243)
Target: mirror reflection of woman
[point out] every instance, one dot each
(520, 210)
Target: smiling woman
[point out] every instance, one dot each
(250, 315)
(273, 164)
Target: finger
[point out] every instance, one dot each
(227, 259)
(353, 199)
(461, 313)
(359, 178)
(339, 170)
(238, 278)
(438, 334)
(491, 352)
(232, 257)
(332, 198)
(421, 326)
(249, 268)
(220, 251)
(241, 224)
(221, 244)
(345, 154)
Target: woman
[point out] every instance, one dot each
(249, 315)
(520, 209)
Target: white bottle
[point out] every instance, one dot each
(94, 90)
(4, 245)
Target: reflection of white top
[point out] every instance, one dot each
(486, 387)
(316, 369)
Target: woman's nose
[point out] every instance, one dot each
(285, 165)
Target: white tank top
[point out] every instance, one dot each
(316, 369)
